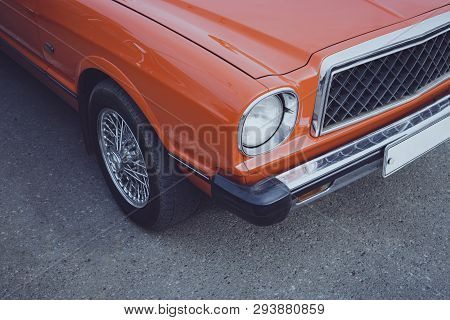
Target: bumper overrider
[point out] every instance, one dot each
(269, 201)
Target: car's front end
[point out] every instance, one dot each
(271, 105)
(374, 105)
(271, 109)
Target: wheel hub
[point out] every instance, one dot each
(116, 162)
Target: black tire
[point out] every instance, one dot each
(172, 197)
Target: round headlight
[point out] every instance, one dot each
(268, 121)
(262, 122)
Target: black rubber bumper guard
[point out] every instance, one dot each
(270, 201)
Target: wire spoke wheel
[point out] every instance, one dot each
(123, 158)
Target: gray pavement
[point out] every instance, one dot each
(63, 237)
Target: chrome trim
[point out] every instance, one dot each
(345, 181)
(372, 50)
(353, 152)
(261, 149)
(61, 86)
(190, 168)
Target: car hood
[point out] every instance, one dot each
(266, 37)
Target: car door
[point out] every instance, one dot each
(18, 20)
(60, 23)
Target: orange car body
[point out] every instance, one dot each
(202, 62)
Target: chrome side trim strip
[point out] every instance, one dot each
(60, 85)
(371, 50)
(358, 149)
(190, 168)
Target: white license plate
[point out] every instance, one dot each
(400, 153)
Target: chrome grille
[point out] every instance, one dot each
(377, 84)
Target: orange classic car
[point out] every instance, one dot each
(263, 105)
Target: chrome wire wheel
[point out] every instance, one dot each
(123, 158)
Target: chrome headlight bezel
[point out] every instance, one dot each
(287, 125)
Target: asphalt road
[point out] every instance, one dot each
(63, 237)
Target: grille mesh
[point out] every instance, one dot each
(378, 83)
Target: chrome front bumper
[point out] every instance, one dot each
(328, 164)
(270, 200)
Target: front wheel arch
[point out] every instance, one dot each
(96, 70)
